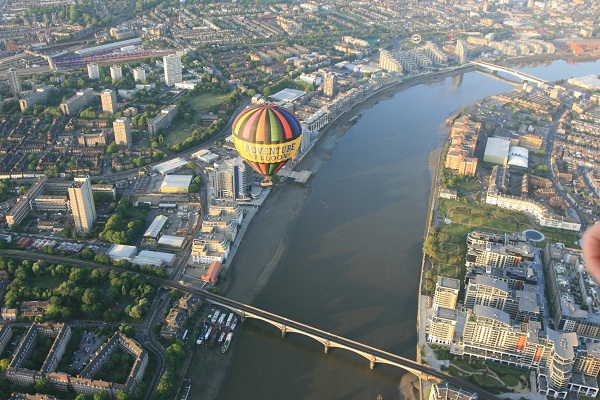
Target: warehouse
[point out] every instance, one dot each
(176, 184)
(156, 226)
(167, 258)
(121, 252)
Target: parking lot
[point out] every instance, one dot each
(88, 344)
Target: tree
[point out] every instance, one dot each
(166, 386)
(112, 148)
(101, 395)
(175, 353)
(4, 363)
(121, 395)
(88, 254)
(43, 386)
(127, 330)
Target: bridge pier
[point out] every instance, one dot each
(372, 362)
(326, 346)
(283, 330)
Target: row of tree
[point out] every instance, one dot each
(75, 292)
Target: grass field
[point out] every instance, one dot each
(177, 133)
(46, 282)
(180, 130)
(205, 100)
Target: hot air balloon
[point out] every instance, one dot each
(266, 136)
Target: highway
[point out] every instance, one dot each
(210, 297)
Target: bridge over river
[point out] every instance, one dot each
(285, 325)
(518, 74)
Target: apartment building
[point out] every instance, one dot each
(496, 255)
(231, 209)
(209, 247)
(221, 224)
(446, 292)
(81, 99)
(82, 204)
(122, 131)
(162, 120)
(230, 179)
(575, 304)
(108, 98)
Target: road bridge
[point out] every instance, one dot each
(518, 74)
(285, 325)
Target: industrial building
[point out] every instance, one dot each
(156, 227)
(169, 166)
(121, 252)
(176, 184)
(166, 258)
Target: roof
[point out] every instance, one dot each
(178, 183)
(156, 226)
(166, 257)
(287, 95)
(492, 313)
(168, 240)
(518, 157)
(121, 251)
(564, 342)
(170, 166)
(213, 272)
(497, 147)
(147, 261)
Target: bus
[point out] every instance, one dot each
(184, 334)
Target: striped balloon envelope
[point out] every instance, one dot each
(266, 136)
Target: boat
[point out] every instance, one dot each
(215, 316)
(211, 313)
(200, 340)
(208, 332)
(221, 337)
(229, 318)
(233, 323)
(227, 342)
(222, 319)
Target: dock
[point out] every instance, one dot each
(297, 176)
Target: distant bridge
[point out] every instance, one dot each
(285, 325)
(518, 74)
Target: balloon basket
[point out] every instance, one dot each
(266, 183)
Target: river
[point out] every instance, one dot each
(350, 258)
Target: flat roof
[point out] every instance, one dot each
(169, 240)
(156, 226)
(166, 257)
(121, 251)
(176, 183)
(139, 260)
(497, 147)
(170, 166)
(288, 95)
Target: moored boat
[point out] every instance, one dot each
(227, 342)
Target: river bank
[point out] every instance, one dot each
(266, 242)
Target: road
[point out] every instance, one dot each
(555, 183)
(232, 304)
